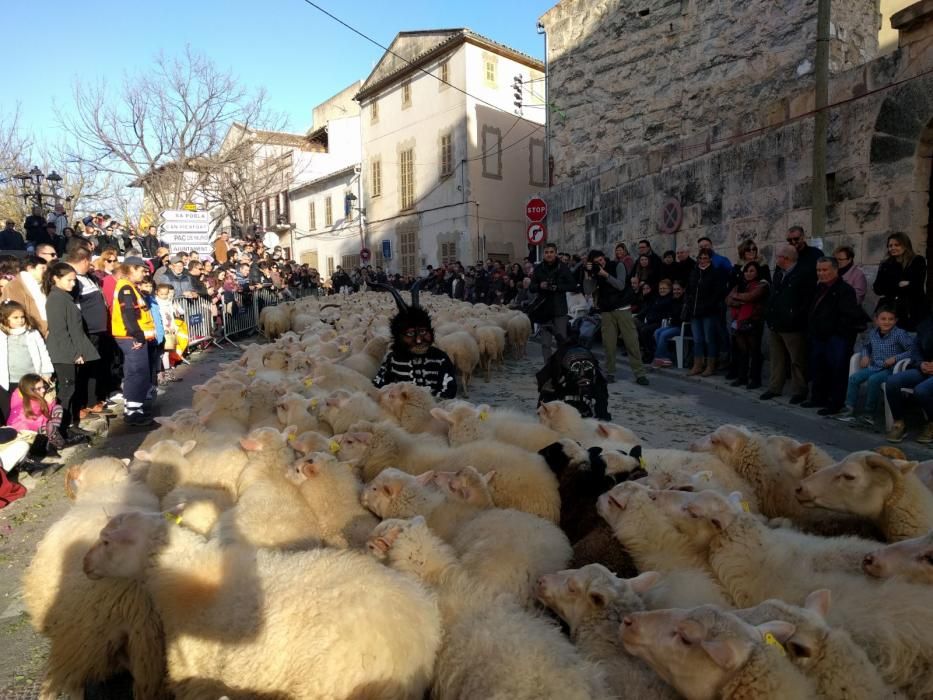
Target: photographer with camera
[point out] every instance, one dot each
(551, 280)
(608, 282)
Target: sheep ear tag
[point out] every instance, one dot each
(772, 641)
(172, 517)
(309, 382)
(745, 507)
(334, 447)
(483, 415)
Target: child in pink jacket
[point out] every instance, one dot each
(30, 411)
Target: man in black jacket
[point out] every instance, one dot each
(788, 305)
(834, 319)
(613, 296)
(551, 280)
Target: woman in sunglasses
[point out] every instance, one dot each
(105, 267)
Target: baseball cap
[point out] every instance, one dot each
(135, 260)
(175, 259)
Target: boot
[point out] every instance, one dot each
(710, 367)
(897, 432)
(926, 437)
(698, 363)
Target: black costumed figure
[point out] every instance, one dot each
(413, 356)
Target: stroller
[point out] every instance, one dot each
(572, 375)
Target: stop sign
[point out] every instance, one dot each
(536, 209)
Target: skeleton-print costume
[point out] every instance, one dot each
(431, 369)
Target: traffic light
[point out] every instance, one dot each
(518, 89)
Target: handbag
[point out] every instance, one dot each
(539, 311)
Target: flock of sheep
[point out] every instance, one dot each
(297, 533)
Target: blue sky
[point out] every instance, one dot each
(301, 56)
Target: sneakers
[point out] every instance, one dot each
(642, 381)
(926, 437)
(660, 362)
(867, 419)
(897, 432)
(138, 419)
(847, 415)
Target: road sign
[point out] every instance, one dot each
(537, 234)
(365, 255)
(386, 249)
(186, 230)
(271, 239)
(190, 206)
(182, 215)
(536, 209)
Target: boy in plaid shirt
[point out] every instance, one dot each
(886, 346)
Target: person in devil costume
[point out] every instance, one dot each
(413, 356)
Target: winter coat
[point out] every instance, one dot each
(922, 350)
(559, 281)
(835, 312)
(705, 292)
(37, 352)
(18, 292)
(611, 292)
(18, 418)
(910, 301)
(67, 339)
(747, 302)
(789, 301)
(661, 308)
(855, 278)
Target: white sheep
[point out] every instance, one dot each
(876, 487)
(772, 467)
(299, 411)
(518, 328)
(463, 351)
(891, 620)
(369, 360)
(241, 621)
(836, 665)
(563, 418)
(492, 647)
(332, 491)
(95, 629)
(911, 560)
(523, 481)
(470, 424)
(341, 409)
(592, 601)
(412, 407)
(274, 321)
(707, 653)
(203, 505)
(491, 343)
(506, 549)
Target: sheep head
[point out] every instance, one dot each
(580, 594)
(864, 483)
(910, 559)
(124, 544)
(95, 472)
(409, 545)
(807, 645)
(698, 651)
(467, 485)
(726, 442)
(397, 494)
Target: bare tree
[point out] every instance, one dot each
(164, 130)
(15, 148)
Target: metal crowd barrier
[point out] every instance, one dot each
(241, 316)
(199, 317)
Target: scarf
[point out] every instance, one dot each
(35, 292)
(15, 331)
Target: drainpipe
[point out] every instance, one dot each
(547, 109)
(821, 121)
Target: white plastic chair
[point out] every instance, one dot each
(888, 418)
(679, 342)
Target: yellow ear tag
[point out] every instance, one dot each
(483, 415)
(642, 463)
(747, 510)
(309, 382)
(334, 447)
(344, 348)
(172, 517)
(251, 373)
(771, 641)
(291, 437)
(313, 403)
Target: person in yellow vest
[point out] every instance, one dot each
(134, 330)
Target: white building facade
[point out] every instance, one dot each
(447, 165)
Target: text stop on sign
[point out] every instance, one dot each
(536, 209)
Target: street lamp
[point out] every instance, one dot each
(31, 186)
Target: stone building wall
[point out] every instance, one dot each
(628, 75)
(753, 179)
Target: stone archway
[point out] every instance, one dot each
(901, 161)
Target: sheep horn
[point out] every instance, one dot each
(416, 292)
(402, 306)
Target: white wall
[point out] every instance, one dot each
(343, 144)
(339, 239)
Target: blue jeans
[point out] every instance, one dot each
(874, 378)
(661, 336)
(705, 336)
(921, 383)
(136, 376)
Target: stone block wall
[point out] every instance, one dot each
(635, 75)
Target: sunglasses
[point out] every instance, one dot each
(110, 260)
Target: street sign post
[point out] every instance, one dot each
(536, 210)
(187, 230)
(537, 234)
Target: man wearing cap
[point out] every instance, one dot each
(177, 276)
(35, 228)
